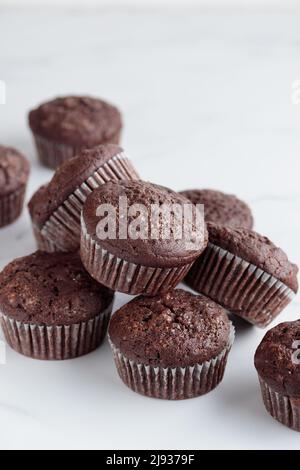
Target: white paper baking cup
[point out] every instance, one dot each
(239, 286)
(284, 409)
(123, 276)
(172, 383)
(55, 342)
(11, 206)
(62, 229)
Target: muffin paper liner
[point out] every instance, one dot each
(62, 230)
(52, 154)
(55, 342)
(42, 242)
(172, 383)
(239, 286)
(123, 276)
(11, 206)
(284, 409)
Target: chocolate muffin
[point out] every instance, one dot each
(171, 346)
(246, 273)
(55, 209)
(221, 208)
(43, 243)
(14, 173)
(277, 361)
(50, 308)
(141, 256)
(64, 126)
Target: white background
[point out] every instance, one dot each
(150, 3)
(206, 99)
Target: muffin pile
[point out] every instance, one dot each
(167, 342)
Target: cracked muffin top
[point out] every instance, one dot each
(256, 249)
(76, 120)
(67, 178)
(14, 170)
(177, 329)
(277, 358)
(221, 208)
(51, 289)
(152, 237)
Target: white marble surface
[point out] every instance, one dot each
(206, 103)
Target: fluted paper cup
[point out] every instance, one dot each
(62, 229)
(124, 276)
(11, 206)
(43, 243)
(52, 154)
(239, 286)
(172, 383)
(284, 409)
(55, 342)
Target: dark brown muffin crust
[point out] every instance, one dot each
(256, 249)
(78, 121)
(147, 252)
(34, 205)
(14, 170)
(67, 178)
(51, 289)
(221, 208)
(175, 329)
(275, 359)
